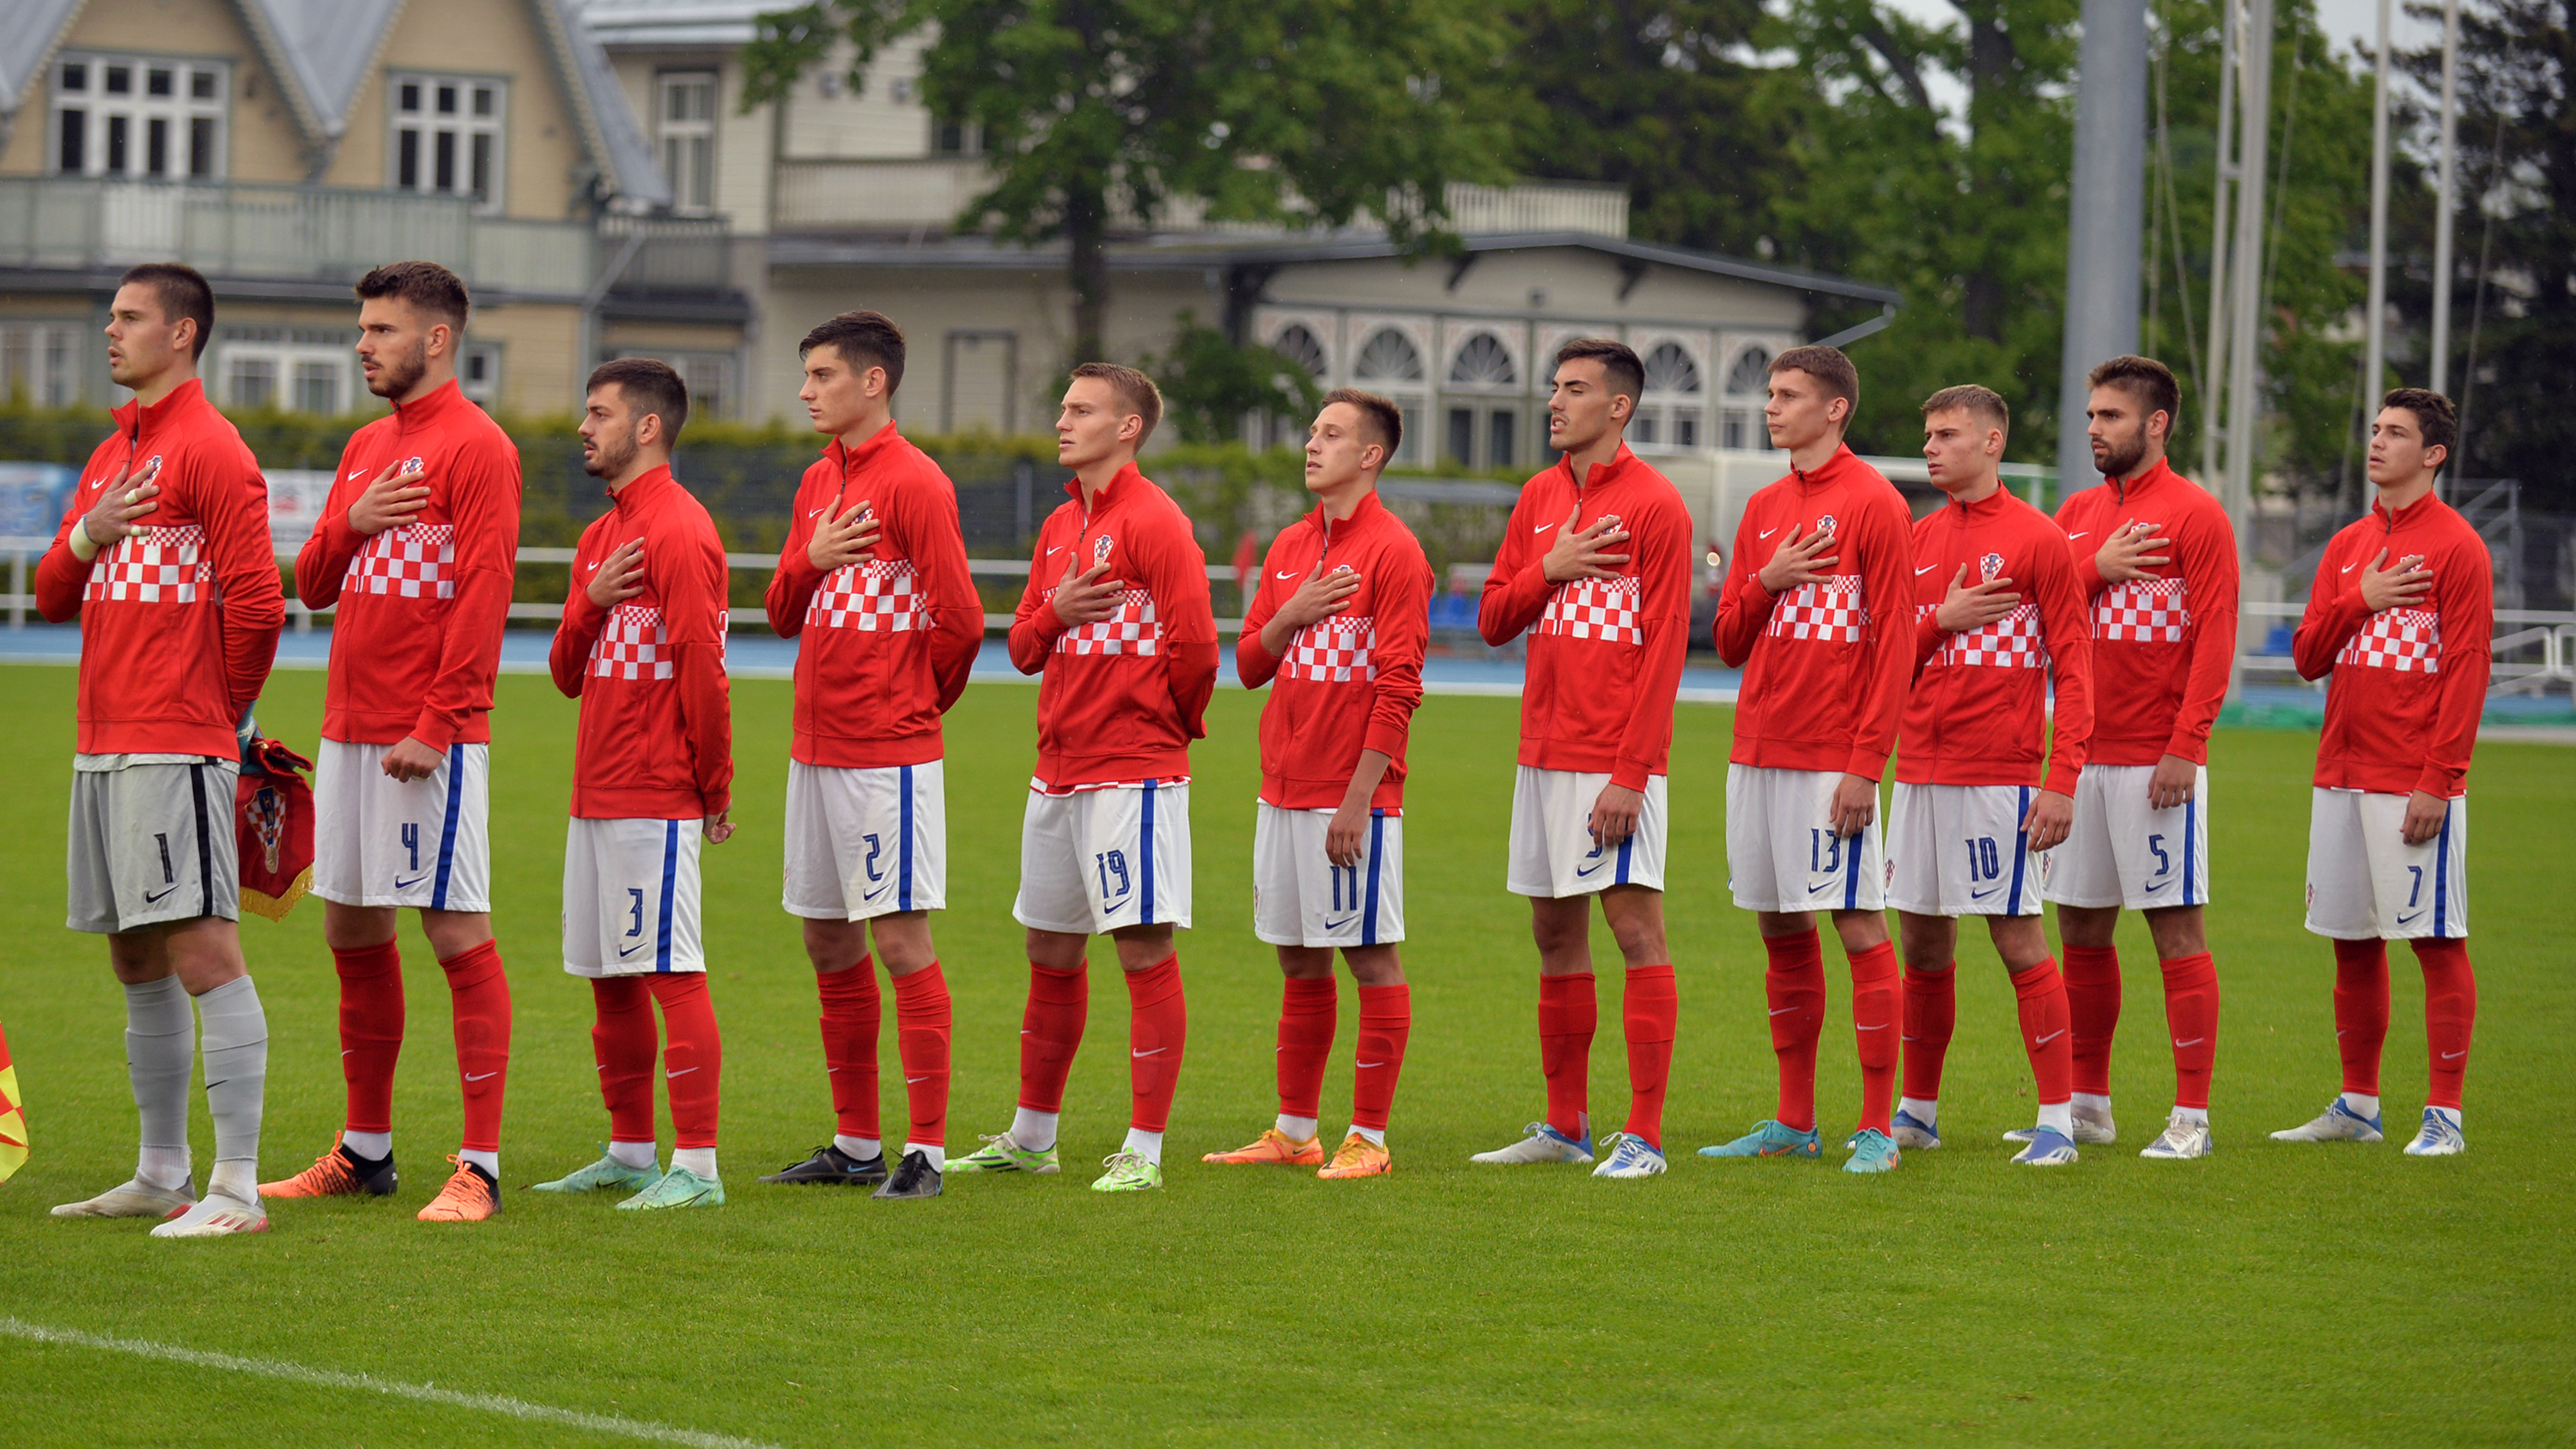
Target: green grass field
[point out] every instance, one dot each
(2271, 1295)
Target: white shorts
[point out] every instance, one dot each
(2364, 880)
(1553, 853)
(1959, 850)
(630, 901)
(152, 842)
(379, 842)
(1097, 860)
(1300, 898)
(1781, 851)
(865, 842)
(2123, 852)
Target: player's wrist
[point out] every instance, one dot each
(83, 546)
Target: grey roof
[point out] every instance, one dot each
(693, 24)
(325, 48)
(33, 28)
(614, 137)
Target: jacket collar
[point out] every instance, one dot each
(1831, 472)
(1602, 473)
(1984, 508)
(134, 419)
(2145, 483)
(1128, 480)
(643, 490)
(442, 401)
(1363, 517)
(2414, 515)
(847, 458)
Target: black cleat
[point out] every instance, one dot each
(913, 1177)
(830, 1164)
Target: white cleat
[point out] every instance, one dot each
(2337, 1123)
(216, 1217)
(2093, 1128)
(2181, 1139)
(1543, 1144)
(1913, 1134)
(1630, 1156)
(134, 1199)
(2440, 1137)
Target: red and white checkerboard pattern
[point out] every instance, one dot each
(2406, 640)
(876, 597)
(1131, 630)
(634, 645)
(2011, 642)
(156, 566)
(2143, 611)
(416, 560)
(1831, 609)
(1604, 609)
(1333, 651)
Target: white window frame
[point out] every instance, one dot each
(711, 377)
(42, 361)
(295, 360)
(478, 374)
(132, 118)
(687, 144)
(426, 123)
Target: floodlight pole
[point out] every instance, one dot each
(2374, 367)
(2245, 330)
(2445, 202)
(2214, 384)
(2106, 228)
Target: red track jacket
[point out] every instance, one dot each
(1978, 713)
(2408, 684)
(2162, 646)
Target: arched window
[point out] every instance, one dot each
(1669, 415)
(1388, 356)
(1748, 379)
(1299, 344)
(1751, 370)
(1483, 361)
(1669, 369)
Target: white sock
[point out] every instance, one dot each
(235, 1031)
(700, 1160)
(2197, 1116)
(236, 1178)
(1927, 1113)
(1033, 1131)
(938, 1155)
(861, 1148)
(490, 1162)
(160, 1057)
(1147, 1145)
(374, 1146)
(632, 1154)
(2092, 1102)
(162, 1167)
(2365, 1106)
(2449, 1114)
(1296, 1129)
(2059, 1118)
(1375, 1135)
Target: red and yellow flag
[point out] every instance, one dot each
(13, 1121)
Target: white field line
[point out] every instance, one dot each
(270, 1368)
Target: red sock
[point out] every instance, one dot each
(692, 1055)
(1568, 1014)
(2042, 994)
(623, 1040)
(2093, 1010)
(1649, 1009)
(2191, 1019)
(1386, 1019)
(1876, 1013)
(2361, 1012)
(1158, 1028)
(2450, 1013)
(480, 990)
(1308, 1012)
(921, 1022)
(1931, 1015)
(1050, 1032)
(371, 1032)
(852, 1013)
(1795, 985)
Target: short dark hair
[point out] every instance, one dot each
(2145, 379)
(2435, 418)
(649, 386)
(425, 285)
(1619, 365)
(1134, 389)
(1985, 402)
(1384, 420)
(864, 340)
(183, 292)
(1826, 365)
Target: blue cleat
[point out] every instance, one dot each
(1771, 1138)
(1542, 1144)
(2048, 1148)
(2440, 1137)
(1631, 1156)
(2337, 1123)
(1872, 1151)
(1909, 1132)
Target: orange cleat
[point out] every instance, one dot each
(1357, 1157)
(334, 1174)
(1273, 1148)
(469, 1197)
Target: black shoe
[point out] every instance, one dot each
(375, 1174)
(831, 1164)
(913, 1177)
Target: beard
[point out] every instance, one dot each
(399, 374)
(610, 455)
(2118, 457)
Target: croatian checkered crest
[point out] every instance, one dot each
(1831, 609)
(1132, 629)
(1604, 609)
(2406, 640)
(1333, 651)
(634, 645)
(1100, 548)
(1824, 524)
(1990, 568)
(2014, 641)
(155, 566)
(2143, 611)
(875, 596)
(413, 560)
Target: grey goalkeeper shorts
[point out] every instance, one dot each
(151, 842)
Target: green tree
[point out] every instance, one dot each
(1210, 382)
(1103, 113)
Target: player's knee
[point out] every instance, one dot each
(1861, 930)
(834, 945)
(1141, 948)
(2022, 941)
(355, 928)
(2177, 932)
(453, 933)
(1374, 965)
(1559, 930)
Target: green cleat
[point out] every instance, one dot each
(606, 1173)
(1128, 1172)
(678, 1188)
(1000, 1154)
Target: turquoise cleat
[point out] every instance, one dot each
(677, 1188)
(1771, 1138)
(606, 1173)
(1872, 1151)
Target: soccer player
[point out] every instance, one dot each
(1817, 612)
(1116, 620)
(2399, 624)
(414, 549)
(164, 558)
(1337, 631)
(1980, 789)
(1595, 568)
(642, 647)
(873, 577)
(2157, 556)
